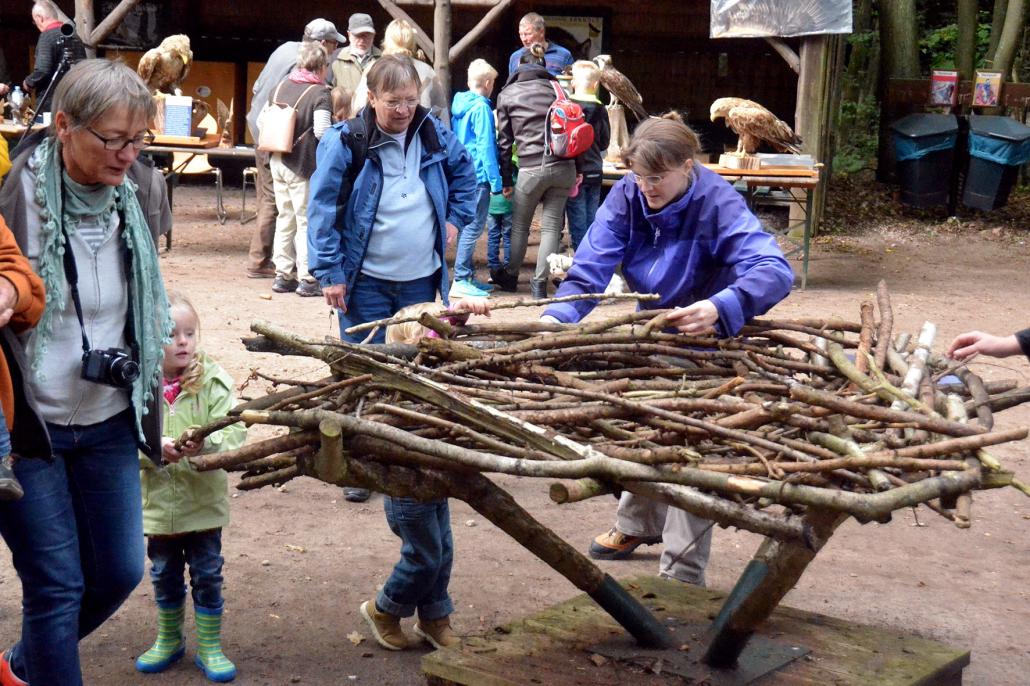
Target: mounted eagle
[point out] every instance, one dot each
(165, 67)
(753, 124)
(622, 89)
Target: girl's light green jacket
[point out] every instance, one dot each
(177, 498)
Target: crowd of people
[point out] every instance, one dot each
(381, 175)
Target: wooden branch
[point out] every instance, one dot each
(110, 22)
(253, 451)
(421, 37)
(786, 52)
(477, 31)
(883, 335)
(522, 302)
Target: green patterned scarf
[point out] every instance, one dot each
(150, 314)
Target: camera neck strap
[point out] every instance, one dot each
(71, 273)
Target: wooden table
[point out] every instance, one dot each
(14, 132)
(208, 147)
(791, 186)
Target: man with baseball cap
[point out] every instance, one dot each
(279, 65)
(357, 57)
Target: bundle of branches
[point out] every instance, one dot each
(754, 431)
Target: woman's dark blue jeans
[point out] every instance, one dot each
(169, 555)
(76, 540)
(419, 580)
(373, 299)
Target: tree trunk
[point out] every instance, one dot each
(860, 60)
(997, 22)
(965, 46)
(899, 58)
(1010, 37)
(899, 52)
(85, 19)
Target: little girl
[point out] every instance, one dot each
(184, 510)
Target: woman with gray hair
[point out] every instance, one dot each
(86, 213)
(303, 89)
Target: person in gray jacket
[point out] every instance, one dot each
(521, 119)
(281, 62)
(86, 213)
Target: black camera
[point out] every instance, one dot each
(111, 367)
(69, 47)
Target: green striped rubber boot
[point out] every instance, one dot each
(210, 657)
(169, 645)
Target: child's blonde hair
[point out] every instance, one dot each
(410, 332)
(193, 375)
(480, 71)
(588, 71)
(341, 103)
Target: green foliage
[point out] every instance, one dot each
(857, 137)
(937, 44)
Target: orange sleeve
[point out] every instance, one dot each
(16, 268)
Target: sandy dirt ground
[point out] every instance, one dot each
(299, 559)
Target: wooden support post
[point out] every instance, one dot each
(85, 19)
(472, 36)
(336, 459)
(110, 22)
(771, 574)
(442, 43)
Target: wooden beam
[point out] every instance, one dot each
(111, 22)
(424, 41)
(786, 52)
(467, 3)
(472, 36)
(442, 41)
(85, 21)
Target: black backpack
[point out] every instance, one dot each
(357, 141)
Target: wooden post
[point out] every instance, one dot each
(85, 19)
(771, 574)
(442, 43)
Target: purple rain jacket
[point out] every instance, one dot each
(706, 245)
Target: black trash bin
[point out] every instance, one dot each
(998, 147)
(924, 150)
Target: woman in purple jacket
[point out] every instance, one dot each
(681, 231)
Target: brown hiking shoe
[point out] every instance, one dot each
(616, 545)
(385, 627)
(437, 632)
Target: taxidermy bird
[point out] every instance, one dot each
(165, 67)
(753, 124)
(224, 121)
(622, 89)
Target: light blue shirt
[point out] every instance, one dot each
(402, 246)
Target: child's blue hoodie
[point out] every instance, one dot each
(472, 121)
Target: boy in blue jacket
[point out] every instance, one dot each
(472, 121)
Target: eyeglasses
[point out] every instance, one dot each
(393, 106)
(118, 144)
(652, 180)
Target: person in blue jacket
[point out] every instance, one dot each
(377, 236)
(682, 232)
(533, 29)
(472, 121)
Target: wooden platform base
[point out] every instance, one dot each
(551, 647)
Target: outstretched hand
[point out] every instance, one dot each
(694, 319)
(471, 305)
(972, 343)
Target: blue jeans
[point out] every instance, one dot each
(464, 270)
(373, 299)
(169, 555)
(5, 435)
(76, 540)
(580, 211)
(498, 240)
(419, 580)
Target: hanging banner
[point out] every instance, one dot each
(759, 18)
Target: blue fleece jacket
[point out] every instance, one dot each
(341, 218)
(472, 122)
(706, 245)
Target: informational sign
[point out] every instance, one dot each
(759, 18)
(944, 88)
(582, 36)
(178, 115)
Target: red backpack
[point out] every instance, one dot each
(567, 134)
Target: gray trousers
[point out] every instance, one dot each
(550, 184)
(639, 516)
(262, 239)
